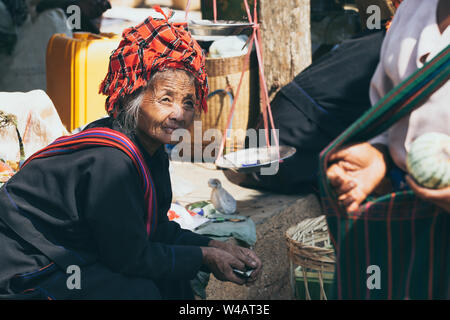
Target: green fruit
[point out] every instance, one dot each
(428, 160)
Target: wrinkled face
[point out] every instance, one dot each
(168, 104)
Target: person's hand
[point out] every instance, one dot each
(355, 172)
(440, 197)
(221, 264)
(247, 256)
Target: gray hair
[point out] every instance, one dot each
(130, 105)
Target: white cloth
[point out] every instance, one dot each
(38, 123)
(413, 35)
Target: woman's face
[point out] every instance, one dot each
(167, 105)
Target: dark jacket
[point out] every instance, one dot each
(88, 207)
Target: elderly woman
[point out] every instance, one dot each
(86, 217)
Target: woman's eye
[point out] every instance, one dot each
(189, 104)
(165, 99)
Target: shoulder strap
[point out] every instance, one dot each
(107, 137)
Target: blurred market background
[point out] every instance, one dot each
(27, 25)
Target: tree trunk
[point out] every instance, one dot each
(286, 40)
(285, 33)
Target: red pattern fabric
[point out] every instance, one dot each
(153, 45)
(90, 138)
(396, 4)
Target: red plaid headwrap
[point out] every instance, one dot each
(154, 45)
(396, 4)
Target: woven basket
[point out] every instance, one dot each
(309, 247)
(224, 75)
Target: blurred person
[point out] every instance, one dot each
(418, 32)
(91, 11)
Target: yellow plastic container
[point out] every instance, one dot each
(75, 68)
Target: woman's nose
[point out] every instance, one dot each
(177, 112)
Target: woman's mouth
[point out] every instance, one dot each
(170, 129)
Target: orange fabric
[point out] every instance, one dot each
(396, 4)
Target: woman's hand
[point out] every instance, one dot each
(355, 172)
(244, 255)
(221, 264)
(440, 197)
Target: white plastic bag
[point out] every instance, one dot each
(184, 218)
(37, 120)
(232, 46)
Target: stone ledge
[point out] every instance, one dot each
(272, 213)
(272, 250)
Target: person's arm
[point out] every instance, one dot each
(245, 255)
(114, 207)
(357, 170)
(440, 197)
(115, 210)
(172, 233)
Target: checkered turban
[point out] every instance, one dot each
(153, 45)
(396, 4)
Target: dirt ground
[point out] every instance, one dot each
(272, 250)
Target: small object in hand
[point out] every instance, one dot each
(243, 274)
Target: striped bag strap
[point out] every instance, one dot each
(401, 100)
(95, 137)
